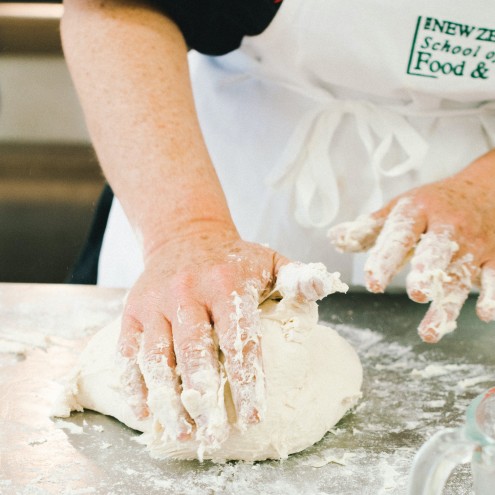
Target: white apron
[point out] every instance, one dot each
(333, 110)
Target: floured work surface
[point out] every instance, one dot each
(411, 390)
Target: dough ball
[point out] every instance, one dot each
(312, 375)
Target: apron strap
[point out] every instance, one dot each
(306, 169)
(390, 126)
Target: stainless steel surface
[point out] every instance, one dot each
(410, 391)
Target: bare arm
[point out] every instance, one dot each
(129, 64)
(130, 69)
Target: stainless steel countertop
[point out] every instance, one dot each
(410, 391)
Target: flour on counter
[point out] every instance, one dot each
(13, 341)
(71, 427)
(327, 457)
(433, 370)
(401, 409)
(403, 419)
(471, 382)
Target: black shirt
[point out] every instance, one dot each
(216, 27)
(213, 27)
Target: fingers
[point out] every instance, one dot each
(431, 259)
(449, 297)
(442, 271)
(356, 236)
(307, 282)
(398, 237)
(202, 379)
(178, 376)
(175, 357)
(238, 326)
(156, 360)
(485, 307)
(132, 380)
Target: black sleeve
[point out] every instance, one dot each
(85, 270)
(216, 27)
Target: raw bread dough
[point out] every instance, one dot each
(313, 376)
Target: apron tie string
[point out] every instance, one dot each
(306, 166)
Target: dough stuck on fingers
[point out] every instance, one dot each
(241, 346)
(431, 259)
(312, 378)
(162, 383)
(485, 307)
(202, 379)
(307, 282)
(356, 236)
(448, 298)
(393, 246)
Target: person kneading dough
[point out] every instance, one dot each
(235, 134)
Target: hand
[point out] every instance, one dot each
(449, 229)
(167, 336)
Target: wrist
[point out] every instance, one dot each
(189, 235)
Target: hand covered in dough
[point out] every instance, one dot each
(448, 227)
(195, 298)
(167, 336)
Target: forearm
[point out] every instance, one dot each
(129, 65)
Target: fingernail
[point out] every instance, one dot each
(418, 295)
(373, 284)
(435, 326)
(429, 336)
(485, 314)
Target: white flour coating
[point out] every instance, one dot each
(356, 236)
(196, 398)
(449, 296)
(10, 346)
(392, 246)
(307, 282)
(431, 259)
(204, 403)
(435, 370)
(202, 400)
(245, 327)
(163, 395)
(312, 375)
(433, 276)
(66, 425)
(485, 307)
